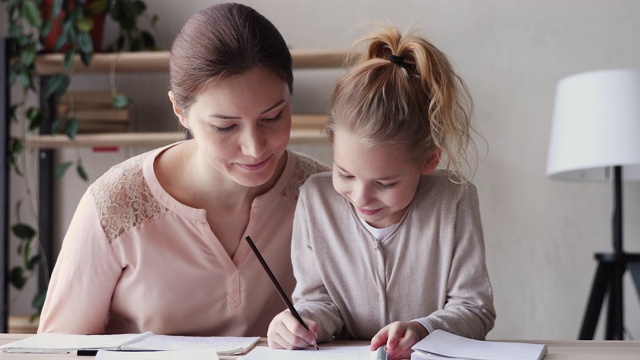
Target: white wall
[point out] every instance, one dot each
(540, 234)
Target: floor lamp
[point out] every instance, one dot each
(595, 136)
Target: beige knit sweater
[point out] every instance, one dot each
(431, 267)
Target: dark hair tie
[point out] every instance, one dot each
(398, 60)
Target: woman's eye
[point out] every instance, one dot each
(344, 177)
(224, 129)
(275, 118)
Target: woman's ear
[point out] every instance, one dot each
(431, 162)
(177, 111)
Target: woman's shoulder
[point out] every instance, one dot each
(303, 167)
(122, 196)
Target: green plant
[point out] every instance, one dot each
(28, 29)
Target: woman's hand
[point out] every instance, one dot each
(286, 332)
(399, 337)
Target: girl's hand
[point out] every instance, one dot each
(286, 332)
(399, 337)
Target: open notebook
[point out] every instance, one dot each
(326, 352)
(66, 343)
(443, 345)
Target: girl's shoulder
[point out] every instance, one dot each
(443, 184)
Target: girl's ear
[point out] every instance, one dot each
(431, 162)
(177, 111)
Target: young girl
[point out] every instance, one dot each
(387, 247)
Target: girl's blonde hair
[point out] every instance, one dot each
(417, 100)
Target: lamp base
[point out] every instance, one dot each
(608, 278)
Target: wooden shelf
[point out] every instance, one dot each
(306, 128)
(158, 61)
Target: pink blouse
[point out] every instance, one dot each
(134, 259)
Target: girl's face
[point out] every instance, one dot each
(242, 125)
(379, 182)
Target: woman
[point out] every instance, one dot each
(155, 244)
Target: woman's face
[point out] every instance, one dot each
(242, 125)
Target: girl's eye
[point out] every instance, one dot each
(387, 186)
(224, 129)
(275, 118)
(344, 177)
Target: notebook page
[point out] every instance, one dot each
(325, 353)
(158, 355)
(445, 344)
(224, 345)
(61, 343)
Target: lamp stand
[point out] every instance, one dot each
(609, 275)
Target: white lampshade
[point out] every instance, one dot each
(596, 125)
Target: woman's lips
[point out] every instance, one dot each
(257, 166)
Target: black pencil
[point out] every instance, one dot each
(275, 282)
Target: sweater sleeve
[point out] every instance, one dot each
(86, 272)
(310, 295)
(468, 310)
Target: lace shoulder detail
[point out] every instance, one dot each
(123, 199)
(305, 167)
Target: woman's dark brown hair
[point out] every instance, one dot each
(221, 41)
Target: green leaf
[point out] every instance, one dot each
(31, 12)
(55, 126)
(82, 172)
(121, 101)
(17, 278)
(25, 80)
(86, 57)
(68, 58)
(34, 261)
(71, 127)
(38, 299)
(26, 254)
(57, 7)
(148, 40)
(17, 146)
(63, 39)
(85, 44)
(85, 24)
(35, 118)
(23, 231)
(62, 169)
(12, 113)
(57, 85)
(99, 7)
(47, 25)
(29, 55)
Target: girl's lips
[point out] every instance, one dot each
(258, 166)
(368, 212)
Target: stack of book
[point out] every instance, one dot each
(95, 112)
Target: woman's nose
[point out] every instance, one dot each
(253, 143)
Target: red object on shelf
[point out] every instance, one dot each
(49, 42)
(106, 149)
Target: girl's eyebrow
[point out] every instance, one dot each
(230, 117)
(384, 178)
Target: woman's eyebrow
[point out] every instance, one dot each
(231, 117)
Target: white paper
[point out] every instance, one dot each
(224, 345)
(445, 344)
(325, 352)
(157, 355)
(62, 343)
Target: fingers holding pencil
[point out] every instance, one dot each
(285, 331)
